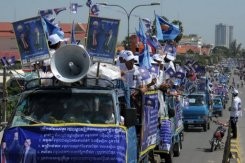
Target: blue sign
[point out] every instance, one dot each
(49, 144)
(31, 40)
(165, 135)
(102, 38)
(150, 121)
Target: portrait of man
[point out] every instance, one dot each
(28, 153)
(110, 41)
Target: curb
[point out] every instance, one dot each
(235, 151)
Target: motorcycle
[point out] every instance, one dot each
(218, 135)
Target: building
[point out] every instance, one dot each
(223, 35)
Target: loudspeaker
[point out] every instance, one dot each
(70, 63)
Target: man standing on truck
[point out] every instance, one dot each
(235, 112)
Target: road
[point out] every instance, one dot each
(196, 146)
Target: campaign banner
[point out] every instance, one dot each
(48, 144)
(178, 115)
(102, 38)
(150, 121)
(31, 40)
(165, 135)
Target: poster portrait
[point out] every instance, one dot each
(31, 40)
(102, 39)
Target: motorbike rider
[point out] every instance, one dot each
(235, 112)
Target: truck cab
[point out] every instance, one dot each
(196, 112)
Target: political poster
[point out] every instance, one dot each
(102, 39)
(150, 121)
(49, 144)
(31, 40)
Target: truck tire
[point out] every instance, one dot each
(205, 127)
(176, 149)
(185, 127)
(220, 114)
(212, 146)
(169, 158)
(208, 125)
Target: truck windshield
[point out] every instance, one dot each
(58, 108)
(196, 100)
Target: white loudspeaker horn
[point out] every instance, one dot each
(70, 63)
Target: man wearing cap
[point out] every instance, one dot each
(235, 112)
(54, 42)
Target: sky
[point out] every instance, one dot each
(197, 16)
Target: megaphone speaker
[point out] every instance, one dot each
(70, 63)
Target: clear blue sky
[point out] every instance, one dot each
(198, 16)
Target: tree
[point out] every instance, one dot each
(235, 49)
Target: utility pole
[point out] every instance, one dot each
(5, 95)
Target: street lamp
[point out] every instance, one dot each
(129, 13)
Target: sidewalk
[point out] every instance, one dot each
(241, 123)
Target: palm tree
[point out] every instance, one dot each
(235, 49)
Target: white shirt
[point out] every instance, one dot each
(133, 78)
(236, 107)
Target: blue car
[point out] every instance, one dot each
(217, 106)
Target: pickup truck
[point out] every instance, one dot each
(81, 123)
(197, 112)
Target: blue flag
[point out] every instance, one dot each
(4, 61)
(58, 10)
(169, 30)
(11, 60)
(170, 72)
(52, 29)
(73, 7)
(94, 10)
(144, 58)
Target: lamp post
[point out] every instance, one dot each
(129, 13)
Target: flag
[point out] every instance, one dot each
(144, 73)
(4, 61)
(11, 61)
(73, 39)
(147, 23)
(73, 7)
(58, 10)
(94, 10)
(45, 13)
(144, 58)
(167, 30)
(170, 71)
(52, 29)
(89, 3)
(180, 73)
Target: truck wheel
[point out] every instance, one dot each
(169, 158)
(212, 146)
(176, 149)
(185, 127)
(205, 126)
(220, 114)
(208, 125)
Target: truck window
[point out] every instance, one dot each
(196, 100)
(58, 108)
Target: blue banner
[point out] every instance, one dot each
(150, 121)
(31, 40)
(102, 38)
(49, 144)
(165, 135)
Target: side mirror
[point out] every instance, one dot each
(3, 125)
(130, 117)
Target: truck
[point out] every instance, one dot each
(197, 112)
(171, 130)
